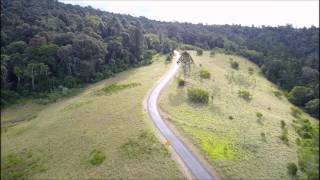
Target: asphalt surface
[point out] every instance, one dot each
(190, 160)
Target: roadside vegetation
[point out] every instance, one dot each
(256, 139)
(89, 135)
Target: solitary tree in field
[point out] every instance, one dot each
(186, 61)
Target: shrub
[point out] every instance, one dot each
(181, 82)
(97, 157)
(118, 87)
(284, 136)
(199, 52)
(205, 74)
(312, 107)
(198, 95)
(235, 65)
(299, 95)
(212, 53)
(259, 115)
(244, 94)
(295, 112)
(250, 70)
(283, 124)
(231, 117)
(263, 137)
(278, 94)
(292, 169)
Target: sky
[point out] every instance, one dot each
(273, 13)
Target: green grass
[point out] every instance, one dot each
(66, 132)
(113, 88)
(226, 129)
(21, 165)
(143, 146)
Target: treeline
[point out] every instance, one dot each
(46, 44)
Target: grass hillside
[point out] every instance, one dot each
(246, 130)
(98, 134)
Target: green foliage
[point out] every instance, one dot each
(113, 88)
(145, 145)
(96, 157)
(198, 95)
(278, 94)
(234, 65)
(283, 124)
(245, 95)
(263, 137)
(181, 82)
(295, 112)
(292, 169)
(312, 107)
(205, 74)
(199, 52)
(299, 95)
(250, 70)
(308, 150)
(21, 165)
(212, 53)
(259, 115)
(284, 136)
(230, 117)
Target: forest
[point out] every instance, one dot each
(48, 47)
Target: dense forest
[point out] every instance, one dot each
(48, 46)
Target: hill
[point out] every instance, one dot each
(242, 137)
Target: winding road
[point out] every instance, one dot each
(189, 159)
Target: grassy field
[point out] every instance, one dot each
(239, 137)
(101, 133)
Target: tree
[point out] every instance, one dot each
(312, 107)
(186, 61)
(299, 95)
(35, 70)
(199, 52)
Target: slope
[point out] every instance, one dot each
(240, 138)
(101, 133)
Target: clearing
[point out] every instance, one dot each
(239, 137)
(101, 133)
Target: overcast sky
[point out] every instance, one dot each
(274, 13)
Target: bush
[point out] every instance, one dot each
(292, 169)
(235, 65)
(231, 117)
(278, 94)
(283, 124)
(212, 53)
(284, 136)
(263, 137)
(244, 94)
(198, 95)
(313, 107)
(295, 112)
(205, 74)
(299, 95)
(250, 70)
(199, 52)
(181, 82)
(97, 157)
(259, 115)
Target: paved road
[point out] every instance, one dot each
(190, 160)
